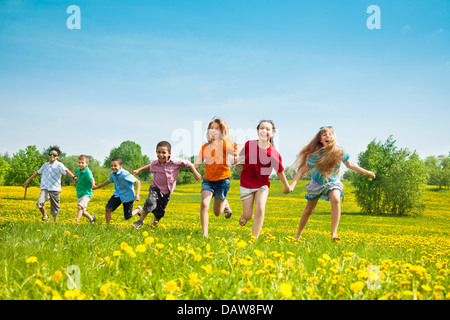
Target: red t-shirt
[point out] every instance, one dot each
(259, 164)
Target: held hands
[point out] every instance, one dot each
(198, 177)
(135, 172)
(287, 190)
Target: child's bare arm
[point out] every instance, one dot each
(287, 189)
(34, 175)
(144, 168)
(197, 175)
(105, 183)
(355, 167)
(74, 177)
(299, 174)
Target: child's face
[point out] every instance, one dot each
(82, 164)
(214, 131)
(265, 131)
(326, 137)
(115, 166)
(52, 156)
(163, 154)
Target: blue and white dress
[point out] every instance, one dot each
(318, 188)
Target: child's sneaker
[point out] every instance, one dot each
(45, 218)
(227, 212)
(93, 219)
(137, 224)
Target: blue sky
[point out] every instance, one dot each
(161, 70)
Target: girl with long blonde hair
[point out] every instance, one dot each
(323, 156)
(216, 154)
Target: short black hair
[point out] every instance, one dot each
(117, 159)
(164, 144)
(55, 149)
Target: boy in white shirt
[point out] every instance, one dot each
(51, 172)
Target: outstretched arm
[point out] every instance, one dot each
(144, 168)
(197, 175)
(101, 185)
(287, 189)
(34, 175)
(355, 167)
(299, 174)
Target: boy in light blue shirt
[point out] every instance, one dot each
(123, 190)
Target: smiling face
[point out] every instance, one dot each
(265, 131)
(116, 166)
(82, 164)
(163, 154)
(214, 131)
(53, 156)
(326, 137)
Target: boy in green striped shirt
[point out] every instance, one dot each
(84, 188)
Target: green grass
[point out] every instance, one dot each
(179, 263)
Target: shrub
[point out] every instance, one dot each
(400, 182)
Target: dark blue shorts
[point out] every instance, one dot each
(114, 203)
(219, 188)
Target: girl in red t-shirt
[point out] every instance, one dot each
(259, 158)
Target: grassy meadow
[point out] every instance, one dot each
(379, 257)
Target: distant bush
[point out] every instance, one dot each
(400, 180)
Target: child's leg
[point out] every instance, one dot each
(335, 199)
(309, 209)
(112, 205)
(247, 209)
(219, 206)
(54, 204)
(43, 197)
(260, 208)
(79, 213)
(204, 208)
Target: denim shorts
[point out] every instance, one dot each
(219, 188)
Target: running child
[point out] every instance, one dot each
(84, 187)
(323, 156)
(123, 190)
(259, 158)
(216, 183)
(51, 172)
(165, 171)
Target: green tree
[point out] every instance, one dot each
(438, 170)
(4, 169)
(23, 164)
(132, 158)
(399, 185)
(185, 176)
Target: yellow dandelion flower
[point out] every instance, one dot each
(57, 276)
(357, 286)
(241, 244)
(123, 245)
(259, 253)
(140, 248)
(171, 286)
(170, 297)
(149, 240)
(31, 259)
(117, 253)
(145, 234)
(197, 257)
(160, 246)
(207, 268)
(285, 290)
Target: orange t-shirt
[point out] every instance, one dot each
(215, 156)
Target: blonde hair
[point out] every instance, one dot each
(223, 126)
(329, 156)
